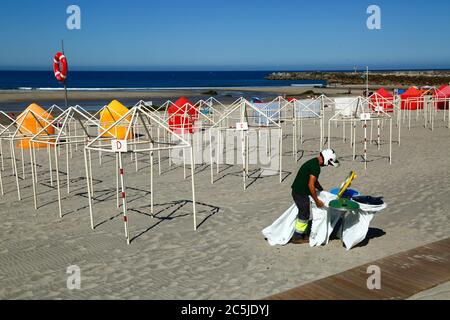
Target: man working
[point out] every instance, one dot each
(305, 184)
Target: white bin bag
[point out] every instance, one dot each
(324, 221)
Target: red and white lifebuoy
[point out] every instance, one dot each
(60, 67)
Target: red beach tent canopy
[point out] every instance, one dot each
(443, 94)
(412, 99)
(182, 115)
(384, 99)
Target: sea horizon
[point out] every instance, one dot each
(43, 80)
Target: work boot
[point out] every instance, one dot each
(297, 239)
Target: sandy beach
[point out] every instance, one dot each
(227, 257)
(19, 99)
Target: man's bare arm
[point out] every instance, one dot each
(312, 188)
(318, 186)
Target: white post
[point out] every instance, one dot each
(33, 176)
(87, 166)
(354, 139)
(321, 134)
(244, 172)
(343, 131)
(280, 154)
(329, 134)
(159, 154)
(57, 181)
(184, 157)
(1, 153)
(68, 151)
(219, 151)
(35, 163)
(390, 141)
(151, 182)
(301, 130)
(193, 188)
(91, 173)
(1, 183)
(50, 164)
(23, 159)
(15, 169)
(365, 144)
(379, 139)
(211, 157)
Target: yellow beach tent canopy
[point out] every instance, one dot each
(31, 121)
(110, 114)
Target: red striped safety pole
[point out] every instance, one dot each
(123, 196)
(365, 144)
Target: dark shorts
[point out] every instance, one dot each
(303, 205)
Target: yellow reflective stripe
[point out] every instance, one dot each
(301, 226)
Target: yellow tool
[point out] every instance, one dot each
(348, 182)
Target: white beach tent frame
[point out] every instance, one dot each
(17, 132)
(137, 113)
(63, 137)
(364, 111)
(223, 124)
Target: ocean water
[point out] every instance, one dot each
(147, 80)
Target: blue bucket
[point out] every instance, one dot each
(348, 194)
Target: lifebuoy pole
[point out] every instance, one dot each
(65, 85)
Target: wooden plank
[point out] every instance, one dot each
(402, 275)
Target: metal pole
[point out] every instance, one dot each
(211, 157)
(50, 164)
(68, 167)
(15, 170)
(33, 176)
(390, 141)
(57, 182)
(194, 209)
(124, 201)
(86, 165)
(365, 144)
(65, 85)
(117, 181)
(151, 182)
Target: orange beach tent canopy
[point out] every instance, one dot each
(32, 120)
(112, 113)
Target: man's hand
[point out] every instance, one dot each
(319, 203)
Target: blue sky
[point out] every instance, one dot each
(225, 34)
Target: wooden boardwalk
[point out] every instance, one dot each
(402, 275)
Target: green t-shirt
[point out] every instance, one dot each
(309, 168)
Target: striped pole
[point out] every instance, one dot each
(378, 128)
(117, 182)
(365, 144)
(123, 195)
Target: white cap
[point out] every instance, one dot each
(330, 158)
